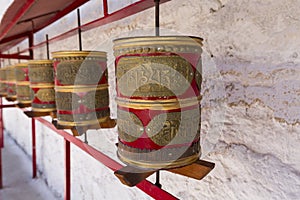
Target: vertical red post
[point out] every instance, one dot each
(105, 7)
(30, 41)
(1, 142)
(67, 170)
(33, 148)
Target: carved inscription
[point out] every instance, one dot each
(154, 76)
(23, 93)
(174, 128)
(130, 127)
(46, 95)
(78, 72)
(41, 74)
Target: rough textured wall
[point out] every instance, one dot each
(250, 107)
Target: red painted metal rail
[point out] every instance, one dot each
(106, 19)
(146, 186)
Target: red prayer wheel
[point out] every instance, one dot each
(41, 80)
(3, 86)
(158, 100)
(81, 88)
(11, 83)
(22, 84)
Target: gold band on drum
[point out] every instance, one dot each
(42, 85)
(83, 123)
(158, 104)
(43, 109)
(161, 165)
(80, 88)
(26, 83)
(24, 102)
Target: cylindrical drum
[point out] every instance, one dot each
(41, 78)
(11, 83)
(158, 100)
(3, 86)
(81, 88)
(22, 83)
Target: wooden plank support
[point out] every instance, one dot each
(132, 176)
(32, 114)
(196, 170)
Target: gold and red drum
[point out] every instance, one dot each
(22, 84)
(158, 100)
(81, 88)
(3, 86)
(11, 83)
(41, 77)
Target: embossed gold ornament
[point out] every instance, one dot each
(154, 76)
(130, 127)
(23, 93)
(46, 95)
(158, 84)
(41, 71)
(175, 127)
(80, 99)
(3, 86)
(11, 83)
(42, 82)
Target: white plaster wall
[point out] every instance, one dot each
(250, 108)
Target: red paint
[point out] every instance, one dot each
(112, 17)
(19, 15)
(33, 148)
(2, 124)
(146, 186)
(105, 7)
(67, 170)
(1, 142)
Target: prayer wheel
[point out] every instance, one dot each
(22, 84)
(81, 88)
(158, 100)
(3, 86)
(41, 78)
(11, 83)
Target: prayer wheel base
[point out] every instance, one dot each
(11, 99)
(23, 105)
(131, 176)
(32, 114)
(79, 130)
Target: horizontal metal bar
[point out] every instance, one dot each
(20, 13)
(7, 106)
(15, 56)
(109, 18)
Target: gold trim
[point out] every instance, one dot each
(22, 83)
(24, 102)
(62, 54)
(36, 62)
(80, 88)
(41, 85)
(21, 65)
(161, 165)
(163, 105)
(43, 109)
(83, 123)
(157, 40)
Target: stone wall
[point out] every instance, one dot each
(250, 106)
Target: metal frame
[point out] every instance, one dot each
(149, 188)
(106, 19)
